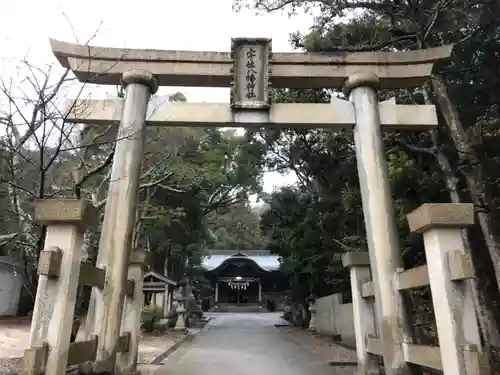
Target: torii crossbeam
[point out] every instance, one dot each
(335, 116)
(215, 69)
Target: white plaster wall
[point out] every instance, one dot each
(325, 322)
(344, 324)
(10, 290)
(334, 317)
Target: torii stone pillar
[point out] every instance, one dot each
(380, 222)
(120, 216)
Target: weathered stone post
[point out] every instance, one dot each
(170, 298)
(312, 311)
(363, 311)
(126, 360)
(166, 300)
(335, 303)
(119, 219)
(450, 270)
(190, 300)
(167, 306)
(378, 212)
(260, 292)
(216, 292)
(59, 271)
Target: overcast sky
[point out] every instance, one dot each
(27, 25)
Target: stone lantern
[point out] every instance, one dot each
(180, 299)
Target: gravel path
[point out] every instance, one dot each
(10, 366)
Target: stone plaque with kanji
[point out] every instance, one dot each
(250, 85)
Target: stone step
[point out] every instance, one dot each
(243, 308)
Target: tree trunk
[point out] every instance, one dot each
(472, 170)
(486, 315)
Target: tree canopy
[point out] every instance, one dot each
(322, 216)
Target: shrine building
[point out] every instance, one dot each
(244, 277)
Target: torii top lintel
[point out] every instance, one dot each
(217, 69)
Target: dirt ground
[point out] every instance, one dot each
(321, 346)
(324, 349)
(152, 346)
(14, 336)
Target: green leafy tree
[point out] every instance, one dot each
(237, 227)
(465, 91)
(212, 170)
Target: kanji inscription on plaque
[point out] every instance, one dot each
(250, 83)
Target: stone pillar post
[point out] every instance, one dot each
(120, 215)
(334, 303)
(166, 295)
(190, 301)
(216, 292)
(312, 310)
(378, 211)
(362, 309)
(126, 361)
(450, 272)
(166, 300)
(170, 297)
(59, 272)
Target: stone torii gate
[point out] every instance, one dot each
(250, 69)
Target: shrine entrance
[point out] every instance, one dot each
(239, 290)
(247, 277)
(251, 69)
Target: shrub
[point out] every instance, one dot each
(149, 317)
(172, 318)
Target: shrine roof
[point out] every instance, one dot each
(262, 258)
(158, 278)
